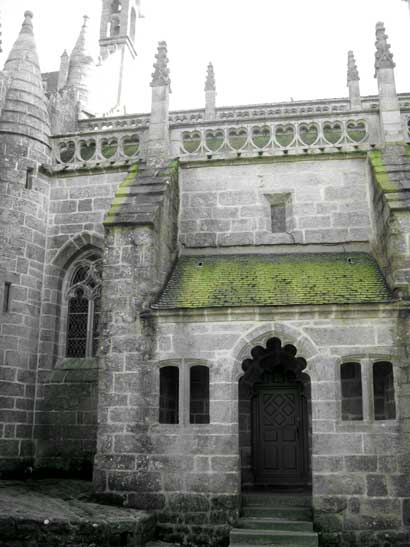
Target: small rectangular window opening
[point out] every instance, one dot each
(199, 395)
(278, 218)
(29, 178)
(169, 395)
(383, 389)
(352, 395)
(6, 297)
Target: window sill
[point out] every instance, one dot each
(77, 363)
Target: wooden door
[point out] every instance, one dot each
(279, 435)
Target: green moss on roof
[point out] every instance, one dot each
(273, 280)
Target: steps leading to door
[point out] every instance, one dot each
(277, 520)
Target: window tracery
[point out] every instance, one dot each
(84, 306)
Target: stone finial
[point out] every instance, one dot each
(352, 72)
(210, 79)
(384, 57)
(160, 76)
(27, 27)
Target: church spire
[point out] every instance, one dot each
(80, 66)
(28, 117)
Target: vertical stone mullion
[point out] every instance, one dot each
(367, 392)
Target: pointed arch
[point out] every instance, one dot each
(77, 245)
(260, 335)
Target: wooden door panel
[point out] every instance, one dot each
(278, 443)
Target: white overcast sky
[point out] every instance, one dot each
(262, 50)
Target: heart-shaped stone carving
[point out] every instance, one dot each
(87, 149)
(131, 145)
(284, 135)
(308, 133)
(357, 130)
(261, 136)
(191, 141)
(109, 147)
(333, 132)
(67, 150)
(237, 137)
(214, 139)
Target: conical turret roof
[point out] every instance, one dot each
(25, 108)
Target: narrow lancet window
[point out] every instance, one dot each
(383, 390)
(199, 395)
(6, 296)
(84, 296)
(168, 395)
(352, 395)
(29, 178)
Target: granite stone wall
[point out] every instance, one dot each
(66, 405)
(359, 470)
(230, 205)
(23, 221)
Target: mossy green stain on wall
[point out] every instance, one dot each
(269, 280)
(119, 195)
(380, 173)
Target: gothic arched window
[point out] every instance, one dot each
(84, 303)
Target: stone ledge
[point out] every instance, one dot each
(62, 512)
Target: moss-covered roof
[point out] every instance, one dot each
(273, 280)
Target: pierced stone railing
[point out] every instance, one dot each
(87, 149)
(332, 133)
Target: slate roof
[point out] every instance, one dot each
(273, 280)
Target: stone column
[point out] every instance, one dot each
(389, 103)
(158, 133)
(210, 94)
(353, 83)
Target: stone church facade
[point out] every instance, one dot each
(203, 303)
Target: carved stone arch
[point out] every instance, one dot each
(274, 406)
(259, 336)
(76, 246)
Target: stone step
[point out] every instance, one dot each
(273, 538)
(288, 513)
(277, 500)
(269, 523)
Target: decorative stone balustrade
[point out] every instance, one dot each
(280, 128)
(92, 148)
(284, 136)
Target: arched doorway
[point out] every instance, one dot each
(274, 418)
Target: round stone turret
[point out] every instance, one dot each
(25, 107)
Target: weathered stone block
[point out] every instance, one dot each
(376, 485)
(361, 463)
(339, 484)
